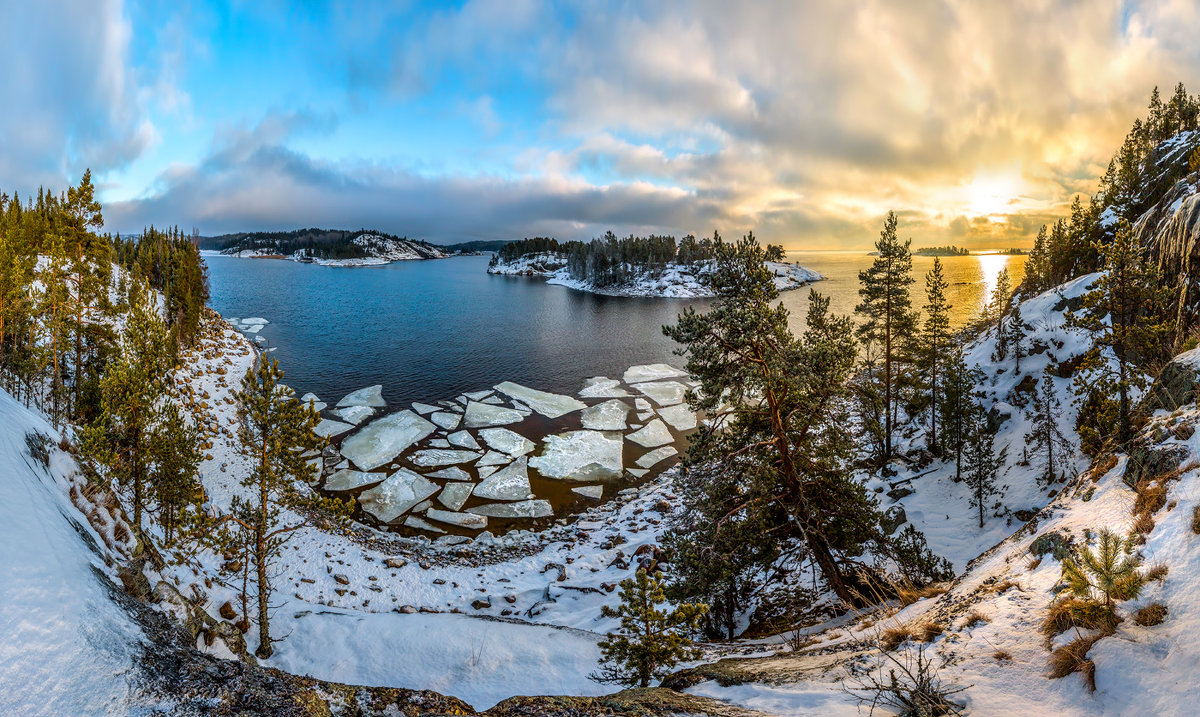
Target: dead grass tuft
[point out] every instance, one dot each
(1158, 572)
(897, 635)
(1142, 525)
(1001, 586)
(973, 618)
(1151, 615)
(1033, 564)
(1002, 656)
(1072, 657)
(1072, 612)
(909, 594)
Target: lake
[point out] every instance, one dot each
(430, 330)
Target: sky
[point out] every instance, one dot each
(804, 122)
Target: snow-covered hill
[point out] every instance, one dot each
(673, 280)
(371, 250)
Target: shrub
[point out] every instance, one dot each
(1109, 573)
(1069, 612)
(1072, 657)
(910, 686)
(1152, 614)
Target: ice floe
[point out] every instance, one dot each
(413, 521)
(395, 496)
(349, 480)
(520, 509)
(462, 520)
(454, 473)
(664, 393)
(423, 408)
(355, 414)
(385, 438)
(506, 441)
(446, 420)
(656, 456)
(581, 455)
(255, 321)
(511, 483)
(477, 395)
(454, 495)
(329, 428)
(435, 457)
(679, 417)
(463, 439)
(369, 396)
(485, 471)
(592, 492)
(550, 405)
(602, 387)
(494, 458)
(607, 416)
(654, 434)
(483, 414)
(651, 372)
(312, 400)
(439, 443)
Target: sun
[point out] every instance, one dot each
(991, 195)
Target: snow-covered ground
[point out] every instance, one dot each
(671, 281)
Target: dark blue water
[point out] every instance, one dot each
(431, 330)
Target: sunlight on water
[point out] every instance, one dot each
(990, 266)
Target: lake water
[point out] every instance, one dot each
(430, 330)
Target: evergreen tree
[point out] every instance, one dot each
(54, 309)
(1125, 312)
(981, 461)
(957, 404)
(888, 321)
(1014, 334)
(1051, 447)
(275, 431)
(175, 472)
(1109, 573)
(997, 311)
(650, 641)
(935, 344)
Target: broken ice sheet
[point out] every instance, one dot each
(654, 434)
(454, 473)
(453, 495)
(355, 414)
(581, 455)
(664, 393)
(521, 509)
(656, 456)
(349, 480)
(328, 428)
(506, 441)
(395, 496)
(511, 483)
(607, 416)
(680, 417)
(651, 372)
(369, 396)
(550, 405)
(385, 438)
(463, 439)
(462, 520)
(482, 414)
(602, 387)
(593, 492)
(433, 457)
(446, 420)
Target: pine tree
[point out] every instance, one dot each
(935, 344)
(1049, 445)
(888, 320)
(1125, 311)
(1109, 573)
(998, 309)
(1014, 334)
(650, 641)
(174, 473)
(981, 461)
(275, 431)
(54, 309)
(957, 404)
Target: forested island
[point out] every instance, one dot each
(948, 250)
(654, 265)
(329, 246)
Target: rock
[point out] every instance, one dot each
(892, 519)
(1146, 462)
(133, 580)
(226, 611)
(481, 604)
(1024, 515)
(394, 563)
(1176, 386)
(407, 609)
(899, 492)
(1054, 543)
(341, 579)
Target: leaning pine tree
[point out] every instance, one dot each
(650, 640)
(275, 431)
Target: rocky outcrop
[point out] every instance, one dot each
(1177, 385)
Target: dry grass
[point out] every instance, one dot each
(1142, 525)
(1001, 586)
(909, 594)
(1002, 656)
(1033, 564)
(1151, 497)
(1196, 520)
(973, 618)
(1158, 572)
(1072, 657)
(1102, 465)
(897, 635)
(1150, 615)
(1072, 612)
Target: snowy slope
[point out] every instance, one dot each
(68, 647)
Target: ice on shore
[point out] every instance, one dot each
(253, 329)
(328, 428)
(602, 387)
(521, 509)
(511, 483)
(664, 393)
(592, 492)
(311, 399)
(506, 441)
(454, 473)
(413, 521)
(494, 458)
(355, 414)
(349, 480)
(483, 414)
(656, 456)
(550, 405)
(255, 321)
(651, 372)
(654, 434)
(477, 395)
(463, 439)
(423, 408)
(395, 496)
(607, 416)
(581, 455)
(679, 417)
(454, 495)
(472, 521)
(446, 420)
(369, 396)
(435, 457)
(385, 438)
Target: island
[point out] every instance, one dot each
(948, 250)
(652, 266)
(332, 247)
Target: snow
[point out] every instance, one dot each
(655, 433)
(651, 372)
(347, 479)
(370, 396)
(679, 417)
(510, 483)
(550, 405)
(664, 393)
(581, 455)
(69, 648)
(395, 496)
(520, 509)
(483, 414)
(607, 416)
(355, 414)
(385, 438)
(435, 457)
(506, 441)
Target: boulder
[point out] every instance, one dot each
(1176, 385)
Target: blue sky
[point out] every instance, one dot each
(804, 122)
